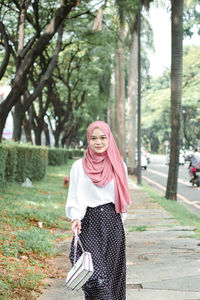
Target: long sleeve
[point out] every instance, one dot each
(72, 205)
(84, 193)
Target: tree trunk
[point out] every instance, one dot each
(18, 117)
(132, 102)
(5, 61)
(115, 105)
(37, 132)
(56, 135)
(27, 130)
(176, 95)
(121, 87)
(110, 117)
(47, 135)
(19, 111)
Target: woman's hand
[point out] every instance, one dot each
(76, 224)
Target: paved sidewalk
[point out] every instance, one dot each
(163, 261)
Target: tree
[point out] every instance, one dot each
(132, 98)
(190, 102)
(156, 106)
(36, 45)
(176, 96)
(121, 78)
(45, 94)
(133, 81)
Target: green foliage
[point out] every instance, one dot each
(84, 69)
(57, 156)
(31, 162)
(80, 88)
(38, 160)
(191, 18)
(77, 153)
(3, 157)
(24, 161)
(191, 99)
(155, 117)
(11, 162)
(156, 105)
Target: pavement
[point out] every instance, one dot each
(163, 257)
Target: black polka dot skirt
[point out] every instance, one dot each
(103, 236)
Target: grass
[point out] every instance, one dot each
(136, 228)
(25, 248)
(178, 210)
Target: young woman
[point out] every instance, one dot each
(96, 204)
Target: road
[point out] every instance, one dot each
(156, 176)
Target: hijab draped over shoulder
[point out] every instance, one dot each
(103, 167)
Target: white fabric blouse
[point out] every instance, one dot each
(84, 193)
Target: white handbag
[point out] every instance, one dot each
(82, 270)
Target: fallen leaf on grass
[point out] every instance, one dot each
(43, 192)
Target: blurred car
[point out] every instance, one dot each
(181, 158)
(143, 160)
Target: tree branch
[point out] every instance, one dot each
(7, 52)
(41, 44)
(49, 70)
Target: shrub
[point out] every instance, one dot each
(69, 153)
(3, 156)
(37, 162)
(21, 167)
(31, 162)
(77, 153)
(57, 156)
(11, 162)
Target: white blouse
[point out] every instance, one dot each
(83, 193)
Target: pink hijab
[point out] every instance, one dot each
(102, 168)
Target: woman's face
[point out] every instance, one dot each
(98, 141)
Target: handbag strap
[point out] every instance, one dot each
(76, 241)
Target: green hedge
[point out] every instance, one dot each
(3, 159)
(57, 156)
(31, 162)
(77, 152)
(11, 162)
(21, 161)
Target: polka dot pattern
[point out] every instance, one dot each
(103, 236)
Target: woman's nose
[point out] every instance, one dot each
(98, 141)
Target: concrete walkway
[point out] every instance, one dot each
(163, 260)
